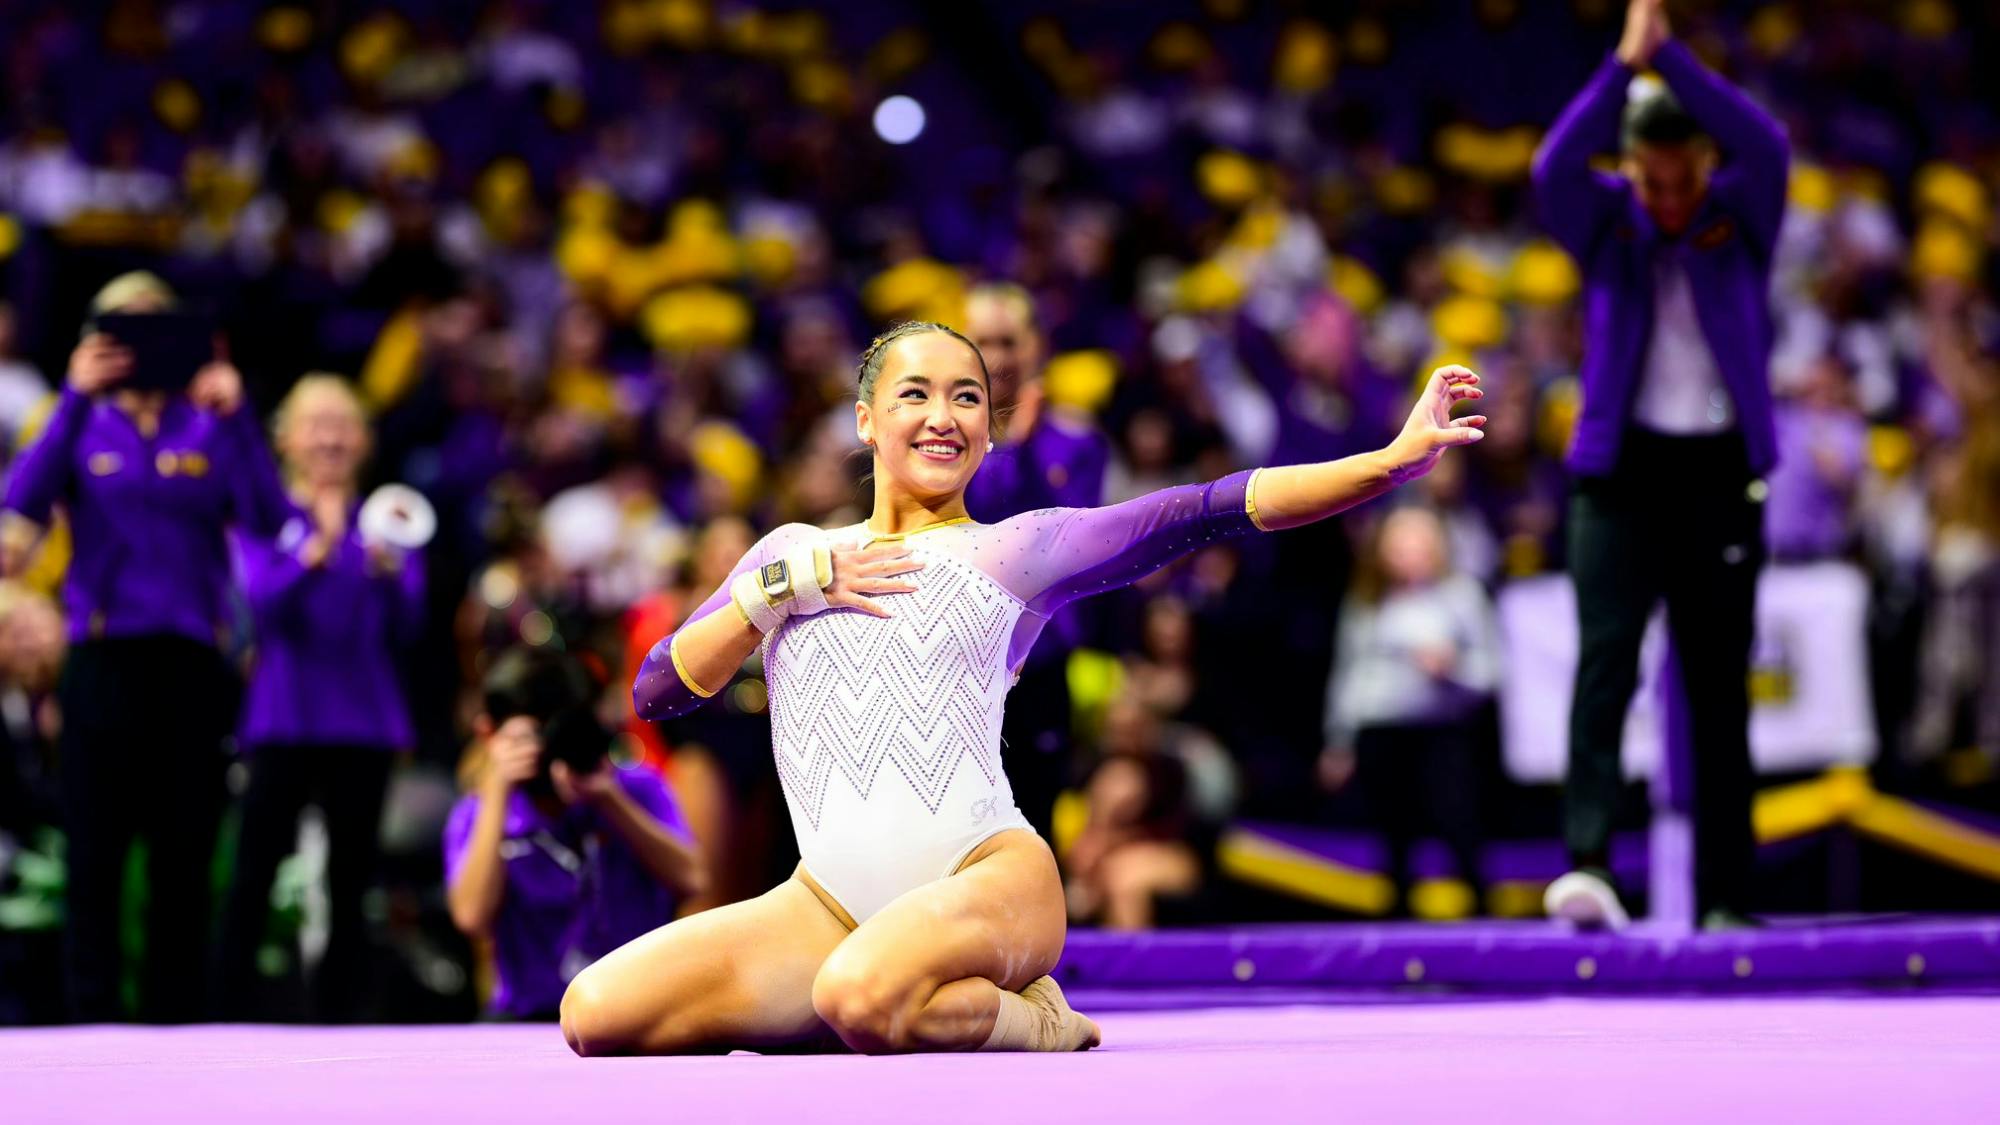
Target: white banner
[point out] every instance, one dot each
(1808, 676)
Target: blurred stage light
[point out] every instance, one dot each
(899, 119)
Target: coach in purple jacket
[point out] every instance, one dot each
(324, 714)
(150, 482)
(1675, 431)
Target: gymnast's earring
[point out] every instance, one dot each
(989, 447)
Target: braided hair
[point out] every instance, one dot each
(878, 353)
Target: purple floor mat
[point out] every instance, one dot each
(1538, 956)
(1929, 1059)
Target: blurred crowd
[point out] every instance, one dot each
(599, 273)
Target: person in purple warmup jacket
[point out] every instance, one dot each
(324, 715)
(150, 482)
(1675, 433)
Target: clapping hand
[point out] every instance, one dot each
(1645, 29)
(329, 514)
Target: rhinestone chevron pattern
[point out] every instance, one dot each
(864, 702)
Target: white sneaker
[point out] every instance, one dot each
(1585, 899)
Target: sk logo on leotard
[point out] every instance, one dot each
(983, 808)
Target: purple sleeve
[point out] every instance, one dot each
(41, 473)
(1071, 462)
(262, 507)
(1573, 200)
(1257, 351)
(1058, 465)
(657, 798)
(406, 604)
(1754, 178)
(1066, 553)
(660, 691)
(995, 491)
(272, 577)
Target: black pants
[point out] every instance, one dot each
(141, 758)
(1036, 745)
(347, 783)
(1677, 521)
(1422, 776)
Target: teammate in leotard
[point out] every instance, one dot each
(925, 915)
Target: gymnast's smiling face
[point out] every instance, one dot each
(928, 416)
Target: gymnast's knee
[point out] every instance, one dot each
(589, 1024)
(869, 1012)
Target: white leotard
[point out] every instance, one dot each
(887, 731)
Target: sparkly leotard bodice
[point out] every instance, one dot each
(887, 731)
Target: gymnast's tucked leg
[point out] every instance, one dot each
(960, 963)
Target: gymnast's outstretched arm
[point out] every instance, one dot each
(1060, 554)
(1295, 495)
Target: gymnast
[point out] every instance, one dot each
(925, 915)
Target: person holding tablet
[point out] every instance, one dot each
(149, 477)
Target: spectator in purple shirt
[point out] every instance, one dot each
(1676, 426)
(1823, 442)
(1048, 457)
(555, 855)
(324, 714)
(149, 482)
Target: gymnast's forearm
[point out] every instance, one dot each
(1296, 495)
(693, 663)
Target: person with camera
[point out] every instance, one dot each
(555, 855)
(324, 715)
(152, 458)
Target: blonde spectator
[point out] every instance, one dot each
(1417, 661)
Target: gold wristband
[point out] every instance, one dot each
(1250, 501)
(822, 566)
(687, 679)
